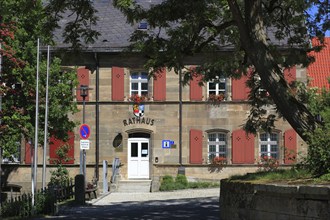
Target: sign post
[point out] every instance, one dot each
(84, 132)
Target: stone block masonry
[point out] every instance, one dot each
(248, 201)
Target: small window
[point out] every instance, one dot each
(139, 84)
(269, 145)
(217, 145)
(217, 87)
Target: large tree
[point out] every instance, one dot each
(21, 24)
(263, 36)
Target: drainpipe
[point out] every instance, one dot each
(181, 169)
(97, 118)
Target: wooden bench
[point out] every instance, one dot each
(90, 191)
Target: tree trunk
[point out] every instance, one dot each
(253, 39)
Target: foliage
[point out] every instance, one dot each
(278, 175)
(268, 163)
(181, 181)
(250, 30)
(317, 159)
(168, 183)
(21, 24)
(60, 176)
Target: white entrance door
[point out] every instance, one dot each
(138, 158)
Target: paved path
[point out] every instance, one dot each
(182, 204)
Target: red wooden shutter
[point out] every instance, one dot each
(160, 85)
(242, 147)
(196, 150)
(117, 84)
(196, 92)
(28, 153)
(290, 74)
(83, 79)
(240, 91)
(290, 144)
(54, 144)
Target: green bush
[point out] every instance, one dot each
(167, 183)
(181, 181)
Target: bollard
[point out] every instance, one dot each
(79, 189)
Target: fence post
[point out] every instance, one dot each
(79, 190)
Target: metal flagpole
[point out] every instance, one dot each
(35, 159)
(46, 125)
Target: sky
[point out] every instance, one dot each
(313, 10)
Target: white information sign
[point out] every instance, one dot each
(84, 144)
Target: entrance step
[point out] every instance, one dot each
(133, 186)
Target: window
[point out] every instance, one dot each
(217, 145)
(217, 87)
(139, 84)
(269, 145)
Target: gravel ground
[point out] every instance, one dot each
(178, 194)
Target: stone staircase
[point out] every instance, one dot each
(132, 186)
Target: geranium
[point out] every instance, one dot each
(217, 164)
(268, 163)
(216, 99)
(138, 98)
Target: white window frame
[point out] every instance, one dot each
(218, 143)
(217, 89)
(269, 143)
(139, 80)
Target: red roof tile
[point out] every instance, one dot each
(319, 71)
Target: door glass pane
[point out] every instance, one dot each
(134, 149)
(144, 150)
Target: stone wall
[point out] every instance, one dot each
(273, 202)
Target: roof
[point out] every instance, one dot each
(319, 71)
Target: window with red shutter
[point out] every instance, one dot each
(290, 146)
(54, 144)
(117, 84)
(159, 92)
(196, 146)
(196, 92)
(239, 90)
(290, 74)
(83, 79)
(28, 153)
(242, 147)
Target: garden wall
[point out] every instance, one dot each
(239, 200)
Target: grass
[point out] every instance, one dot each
(291, 176)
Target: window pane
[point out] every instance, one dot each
(135, 86)
(263, 148)
(222, 86)
(222, 148)
(212, 137)
(212, 148)
(273, 137)
(134, 149)
(263, 137)
(144, 86)
(144, 150)
(222, 137)
(222, 155)
(273, 148)
(212, 86)
(134, 76)
(144, 75)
